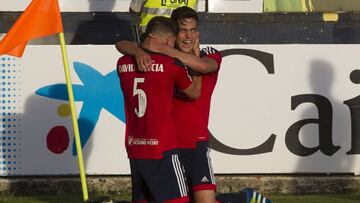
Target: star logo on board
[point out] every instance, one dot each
(96, 93)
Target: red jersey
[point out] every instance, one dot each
(192, 117)
(148, 104)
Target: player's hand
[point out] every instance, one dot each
(143, 60)
(196, 48)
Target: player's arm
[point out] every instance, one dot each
(190, 87)
(193, 92)
(143, 59)
(200, 64)
(193, 60)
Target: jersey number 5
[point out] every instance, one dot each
(140, 112)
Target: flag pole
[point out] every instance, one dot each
(74, 117)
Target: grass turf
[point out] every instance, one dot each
(77, 198)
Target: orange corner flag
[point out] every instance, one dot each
(41, 18)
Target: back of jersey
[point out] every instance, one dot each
(148, 104)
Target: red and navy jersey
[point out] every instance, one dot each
(192, 117)
(148, 104)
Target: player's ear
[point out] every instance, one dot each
(170, 40)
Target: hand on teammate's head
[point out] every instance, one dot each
(196, 48)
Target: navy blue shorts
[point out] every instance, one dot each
(198, 170)
(158, 180)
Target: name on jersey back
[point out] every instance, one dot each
(155, 67)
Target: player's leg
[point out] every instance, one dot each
(186, 159)
(202, 176)
(139, 193)
(164, 178)
(205, 196)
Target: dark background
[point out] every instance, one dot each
(215, 28)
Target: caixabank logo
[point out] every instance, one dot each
(103, 92)
(324, 120)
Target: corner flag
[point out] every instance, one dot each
(41, 18)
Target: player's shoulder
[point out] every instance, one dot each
(172, 61)
(179, 63)
(212, 53)
(168, 61)
(124, 59)
(208, 50)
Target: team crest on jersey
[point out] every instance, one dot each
(172, 3)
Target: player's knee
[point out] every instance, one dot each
(205, 196)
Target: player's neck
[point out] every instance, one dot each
(151, 44)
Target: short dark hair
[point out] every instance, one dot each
(181, 13)
(161, 24)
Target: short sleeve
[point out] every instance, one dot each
(181, 76)
(212, 53)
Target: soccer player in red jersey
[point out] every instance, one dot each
(191, 117)
(150, 137)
